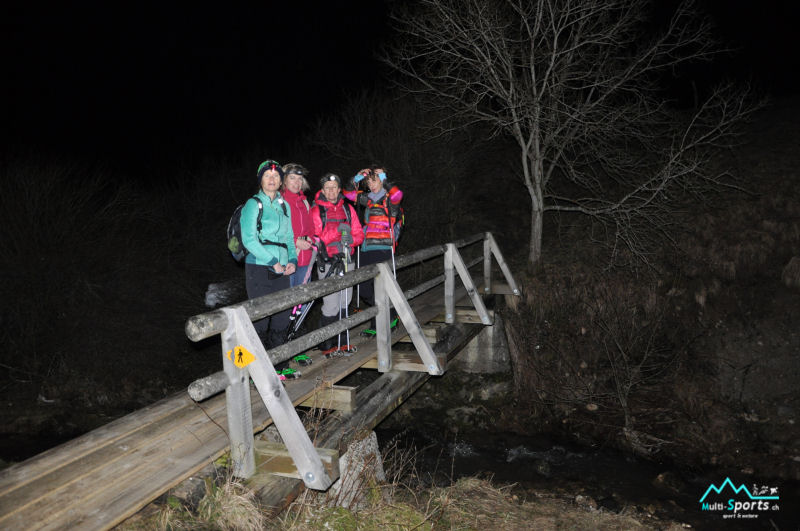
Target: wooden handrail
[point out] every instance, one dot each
(206, 387)
(208, 324)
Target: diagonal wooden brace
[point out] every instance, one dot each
(387, 290)
(453, 260)
(490, 248)
(241, 334)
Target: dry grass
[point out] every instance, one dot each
(227, 505)
(471, 504)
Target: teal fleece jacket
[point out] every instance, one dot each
(275, 226)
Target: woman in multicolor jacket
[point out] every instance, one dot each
(382, 220)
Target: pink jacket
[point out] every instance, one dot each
(302, 224)
(334, 215)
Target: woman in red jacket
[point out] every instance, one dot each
(336, 225)
(294, 184)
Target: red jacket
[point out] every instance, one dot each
(334, 215)
(302, 224)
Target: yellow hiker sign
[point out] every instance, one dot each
(241, 357)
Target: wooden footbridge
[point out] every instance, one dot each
(105, 476)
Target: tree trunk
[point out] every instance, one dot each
(535, 252)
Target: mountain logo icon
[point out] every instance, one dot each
(736, 490)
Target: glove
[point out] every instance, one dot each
(360, 175)
(382, 176)
(347, 238)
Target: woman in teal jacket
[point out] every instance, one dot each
(266, 225)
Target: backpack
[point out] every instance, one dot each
(235, 246)
(395, 212)
(323, 213)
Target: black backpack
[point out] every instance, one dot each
(235, 246)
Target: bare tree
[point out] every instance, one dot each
(576, 84)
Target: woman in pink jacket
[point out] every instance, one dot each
(294, 184)
(336, 225)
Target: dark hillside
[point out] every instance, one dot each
(698, 362)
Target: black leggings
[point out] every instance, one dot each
(261, 280)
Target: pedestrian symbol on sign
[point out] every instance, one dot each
(241, 357)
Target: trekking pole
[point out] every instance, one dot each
(394, 270)
(358, 286)
(297, 309)
(344, 230)
(342, 298)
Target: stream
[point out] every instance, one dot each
(612, 480)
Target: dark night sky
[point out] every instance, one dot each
(123, 79)
(89, 78)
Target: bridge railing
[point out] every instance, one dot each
(244, 357)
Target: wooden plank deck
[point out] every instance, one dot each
(103, 477)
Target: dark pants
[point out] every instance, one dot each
(367, 289)
(261, 280)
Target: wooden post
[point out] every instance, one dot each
(383, 330)
(487, 264)
(237, 402)
(250, 353)
(449, 285)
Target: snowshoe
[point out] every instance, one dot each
(370, 332)
(340, 352)
(288, 373)
(303, 360)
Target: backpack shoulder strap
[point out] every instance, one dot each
(260, 213)
(323, 214)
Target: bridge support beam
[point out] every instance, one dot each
(337, 397)
(274, 458)
(485, 353)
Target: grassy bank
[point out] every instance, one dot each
(468, 504)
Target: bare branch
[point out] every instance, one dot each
(576, 84)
